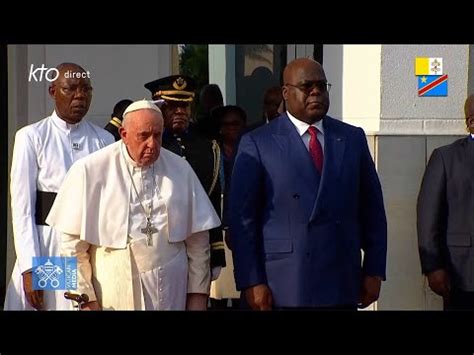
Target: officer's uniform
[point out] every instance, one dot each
(203, 155)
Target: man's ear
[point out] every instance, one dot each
(52, 90)
(284, 92)
(123, 133)
(469, 122)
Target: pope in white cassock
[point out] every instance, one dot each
(137, 218)
(43, 153)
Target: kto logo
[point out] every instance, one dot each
(50, 74)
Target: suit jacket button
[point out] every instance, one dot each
(338, 222)
(296, 196)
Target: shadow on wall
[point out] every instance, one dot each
(250, 91)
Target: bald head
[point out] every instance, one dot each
(469, 106)
(469, 113)
(297, 65)
(305, 90)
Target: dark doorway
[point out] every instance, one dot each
(257, 68)
(318, 53)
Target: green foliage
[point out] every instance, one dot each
(194, 62)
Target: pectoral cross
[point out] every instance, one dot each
(149, 230)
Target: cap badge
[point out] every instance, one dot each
(180, 84)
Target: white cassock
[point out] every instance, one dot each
(103, 229)
(42, 155)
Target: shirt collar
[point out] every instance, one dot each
(58, 121)
(472, 136)
(302, 127)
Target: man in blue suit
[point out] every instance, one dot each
(305, 200)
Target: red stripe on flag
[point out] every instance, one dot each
(433, 84)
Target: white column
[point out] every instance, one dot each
(222, 70)
(361, 86)
(354, 72)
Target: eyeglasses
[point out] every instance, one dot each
(309, 86)
(69, 90)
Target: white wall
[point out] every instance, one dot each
(117, 72)
(361, 86)
(402, 111)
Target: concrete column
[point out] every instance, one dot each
(222, 70)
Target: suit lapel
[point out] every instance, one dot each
(334, 146)
(294, 151)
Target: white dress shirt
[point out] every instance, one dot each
(302, 128)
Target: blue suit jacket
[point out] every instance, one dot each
(301, 233)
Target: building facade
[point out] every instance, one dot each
(373, 86)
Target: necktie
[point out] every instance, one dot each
(315, 149)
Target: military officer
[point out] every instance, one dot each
(181, 137)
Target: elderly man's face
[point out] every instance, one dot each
(177, 115)
(72, 96)
(305, 90)
(141, 133)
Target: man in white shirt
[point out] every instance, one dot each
(139, 225)
(42, 155)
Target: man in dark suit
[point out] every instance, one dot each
(445, 219)
(203, 155)
(305, 199)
